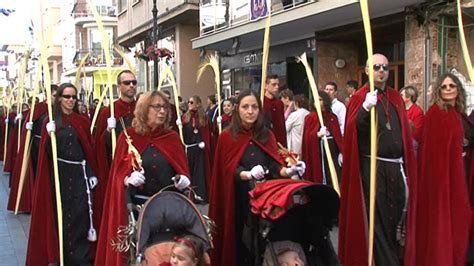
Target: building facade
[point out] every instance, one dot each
(178, 23)
(420, 38)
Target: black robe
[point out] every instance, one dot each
(390, 187)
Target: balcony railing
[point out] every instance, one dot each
(82, 10)
(97, 57)
(219, 14)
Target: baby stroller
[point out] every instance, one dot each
(165, 216)
(298, 213)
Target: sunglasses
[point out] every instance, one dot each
(128, 82)
(67, 97)
(159, 107)
(190, 102)
(452, 86)
(378, 66)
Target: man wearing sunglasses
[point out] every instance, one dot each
(395, 173)
(123, 110)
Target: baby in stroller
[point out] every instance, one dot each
(294, 220)
(171, 231)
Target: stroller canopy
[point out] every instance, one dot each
(169, 211)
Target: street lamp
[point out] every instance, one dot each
(155, 43)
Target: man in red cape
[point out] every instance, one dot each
(41, 110)
(311, 148)
(274, 110)
(115, 212)
(229, 152)
(123, 108)
(43, 243)
(353, 220)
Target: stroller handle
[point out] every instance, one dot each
(129, 193)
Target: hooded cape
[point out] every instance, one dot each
(43, 243)
(443, 219)
(27, 192)
(311, 148)
(115, 211)
(229, 152)
(353, 221)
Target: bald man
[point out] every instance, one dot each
(395, 172)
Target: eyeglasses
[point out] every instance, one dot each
(190, 102)
(378, 66)
(452, 86)
(67, 97)
(128, 82)
(159, 107)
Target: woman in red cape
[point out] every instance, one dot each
(443, 220)
(163, 157)
(197, 139)
(311, 148)
(76, 160)
(243, 152)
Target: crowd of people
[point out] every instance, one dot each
(424, 184)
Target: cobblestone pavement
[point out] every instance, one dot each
(14, 229)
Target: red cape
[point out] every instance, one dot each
(274, 108)
(43, 245)
(443, 219)
(353, 222)
(229, 152)
(115, 212)
(206, 137)
(311, 148)
(12, 144)
(121, 109)
(2, 135)
(25, 202)
(416, 116)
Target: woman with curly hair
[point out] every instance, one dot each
(443, 210)
(163, 164)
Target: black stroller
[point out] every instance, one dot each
(297, 212)
(165, 216)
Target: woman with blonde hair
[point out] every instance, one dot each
(443, 209)
(163, 164)
(197, 142)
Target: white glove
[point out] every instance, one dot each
(18, 116)
(219, 119)
(136, 178)
(181, 183)
(29, 125)
(178, 122)
(6, 120)
(323, 131)
(257, 172)
(51, 127)
(339, 159)
(93, 181)
(298, 169)
(370, 100)
(111, 123)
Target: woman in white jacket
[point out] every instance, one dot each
(295, 123)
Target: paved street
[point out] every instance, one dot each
(14, 229)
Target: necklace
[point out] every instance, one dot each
(386, 109)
